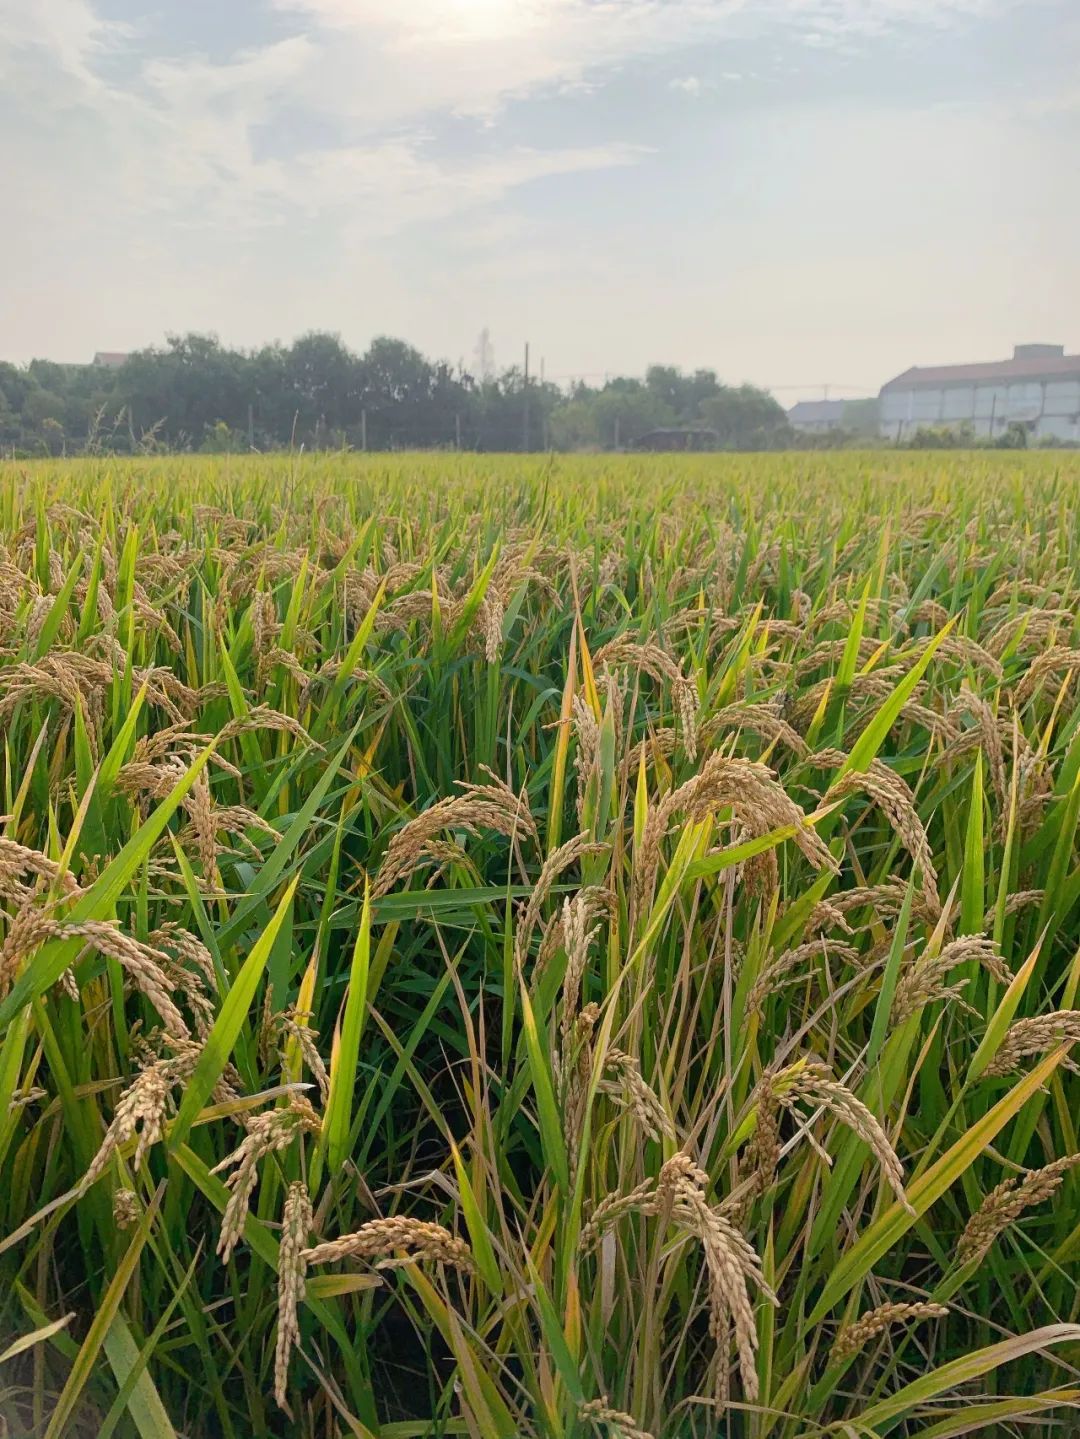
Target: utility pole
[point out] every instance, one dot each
(363, 429)
(457, 431)
(525, 419)
(484, 356)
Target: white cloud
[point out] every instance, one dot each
(369, 71)
(179, 139)
(472, 55)
(252, 75)
(70, 33)
(357, 181)
(167, 165)
(496, 49)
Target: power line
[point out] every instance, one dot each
(578, 376)
(825, 385)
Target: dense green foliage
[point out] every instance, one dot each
(196, 394)
(542, 948)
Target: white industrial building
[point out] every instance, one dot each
(1039, 388)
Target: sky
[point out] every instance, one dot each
(791, 192)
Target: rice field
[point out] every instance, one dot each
(510, 947)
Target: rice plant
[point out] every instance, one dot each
(504, 947)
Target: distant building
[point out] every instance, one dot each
(1038, 388)
(820, 417)
(110, 359)
(814, 417)
(685, 437)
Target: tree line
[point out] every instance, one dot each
(193, 393)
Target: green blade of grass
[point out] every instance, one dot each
(875, 1241)
(338, 1118)
(107, 1309)
(97, 902)
(219, 1043)
(966, 1370)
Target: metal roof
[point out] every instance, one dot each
(1057, 367)
(814, 411)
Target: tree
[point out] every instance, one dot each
(323, 381)
(575, 426)
(1015, 436)
(52, 434)
(862, 417)
(498, 411)
(41, 405)
(745, 418)
(626, 409)
(15, 385)
(274, 411)
(194, 392)
(396, 383)
(683, 395)
(191, 384)
(220, 439)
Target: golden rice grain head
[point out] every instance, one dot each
(1019, 899)
(989, 732)
(1058, 659)
(19, 861)
(623, 1081)
(657, 663)
(140, 1114)
(1035, 1035)
(852, 1337)
(491, 806)
(757, 800)
(586, 731)
(600, 1414)
(763, 718)
(731, 1263)
(200, 807)
(267, 1133)
(293, 1024)
(296, 1221)
(793, 966)
(811, 1082)
(577, 937)
(394, 1241)
(557, 862)
(1006, 1202)
(894, 798)
(640, 1200)
(125, 1208)
(924, 982)
(758, 1165)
